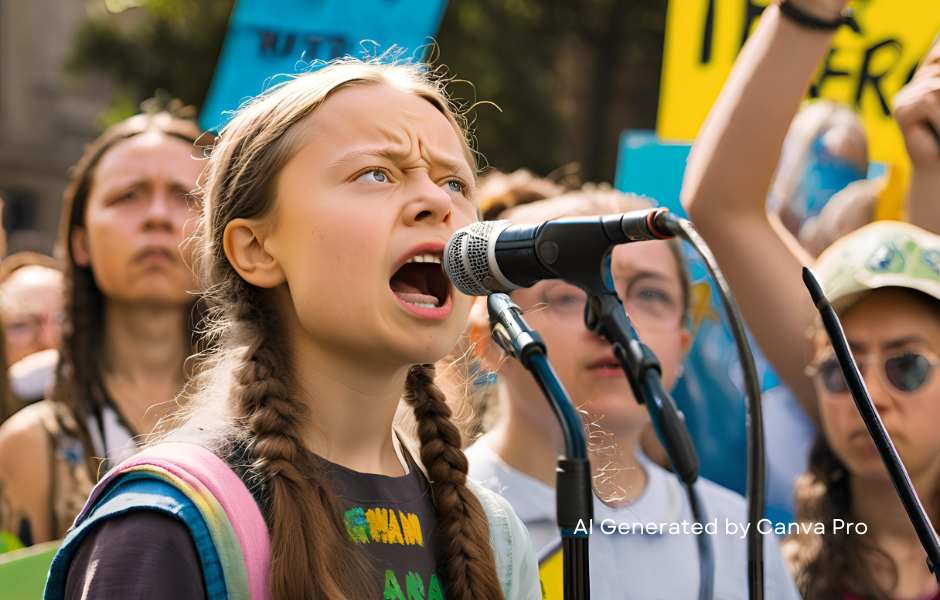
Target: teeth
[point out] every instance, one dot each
(423, 305)
(425, 258)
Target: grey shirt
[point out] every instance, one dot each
(633, 552)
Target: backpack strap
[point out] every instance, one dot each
(140, 491)
(234, 522)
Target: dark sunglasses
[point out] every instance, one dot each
(906, 372)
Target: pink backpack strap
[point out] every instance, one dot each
(201, 468)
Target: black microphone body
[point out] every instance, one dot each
(496, 256)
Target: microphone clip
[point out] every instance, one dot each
(510, 331)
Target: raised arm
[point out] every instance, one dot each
(729, 174)
(917, 110)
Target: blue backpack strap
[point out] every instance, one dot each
(141, 491)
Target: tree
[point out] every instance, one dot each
(567, 75)
(151, 45)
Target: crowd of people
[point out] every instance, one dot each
(261, 319)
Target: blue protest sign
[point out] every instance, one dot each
(711, 391)
(267, 38)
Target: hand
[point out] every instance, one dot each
(917, 110)
(848, 210)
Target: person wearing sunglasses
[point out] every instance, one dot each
(884, 282)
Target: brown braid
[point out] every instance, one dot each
(78, 381)
(462, 533)
(312, 555)
(299, 497)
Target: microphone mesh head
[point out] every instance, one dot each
(466, 258)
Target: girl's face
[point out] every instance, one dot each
(363, 212)
(895, 336)
(647, 280)
(138, 213)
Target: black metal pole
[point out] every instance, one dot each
(876, 428)
(573, 492)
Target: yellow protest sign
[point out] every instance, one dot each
(864, 68)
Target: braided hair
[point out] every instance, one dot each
(311, 553)
(78, 380)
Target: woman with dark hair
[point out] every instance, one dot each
(884, 281)
(127, 327)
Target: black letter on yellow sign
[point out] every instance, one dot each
(708, 33)
(873, 79)
(751, 13)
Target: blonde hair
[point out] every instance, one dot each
(498, 191)
(243, 402)
(600, 199)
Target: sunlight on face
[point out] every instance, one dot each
(140, 209)
(647, 280)
(887, 323)
(382, 178)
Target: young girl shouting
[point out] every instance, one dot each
(327, 206)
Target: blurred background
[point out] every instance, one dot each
(581, 72)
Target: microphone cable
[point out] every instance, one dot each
(756, 475)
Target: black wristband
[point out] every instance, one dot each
(804, 19)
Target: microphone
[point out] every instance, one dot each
(497, 256)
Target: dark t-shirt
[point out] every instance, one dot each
(150, 555)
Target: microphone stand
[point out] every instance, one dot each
(605, 316)
(573, 491)
(866, 408)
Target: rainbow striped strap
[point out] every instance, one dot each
(235, 525)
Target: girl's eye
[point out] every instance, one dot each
(125, 196)
(654, 295)
(566, 300)
(456, 186)
(374, 176)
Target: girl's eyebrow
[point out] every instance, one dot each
(394, 154)
(900, 342)
(386, 152)
(643, 274)
(117, 182)
(903, 341)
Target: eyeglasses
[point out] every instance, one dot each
(26, 327)
(647, 303)
(906, 371)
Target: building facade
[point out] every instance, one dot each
(46, 115)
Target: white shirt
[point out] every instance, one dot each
(639, 563)
(118, 443)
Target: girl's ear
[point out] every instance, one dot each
(243, 242)
(485, 349)
(78, 240)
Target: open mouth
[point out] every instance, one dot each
(421, 281)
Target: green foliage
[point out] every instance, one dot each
(567, 75)
(164, 44)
